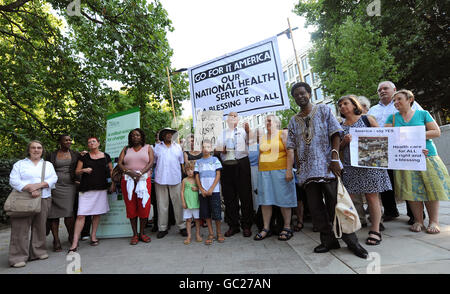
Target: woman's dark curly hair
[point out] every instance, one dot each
(130, 142)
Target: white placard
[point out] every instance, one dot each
(208, 126)
(388, 148)
(247, 81)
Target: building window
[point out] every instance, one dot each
(285, 75)
(305, 64)
(307, 79)
(291, 72)
(318, 93)
(315, 77)
(296, 70)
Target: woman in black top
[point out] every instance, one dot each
(94, 168)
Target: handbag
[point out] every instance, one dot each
(346, 219)
(117, 172)
(22, 204)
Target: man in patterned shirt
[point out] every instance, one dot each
(314, 135)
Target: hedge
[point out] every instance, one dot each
(5, 169)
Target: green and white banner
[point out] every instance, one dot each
(118, 126)
(115, 224)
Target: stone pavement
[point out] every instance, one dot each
(400, 252)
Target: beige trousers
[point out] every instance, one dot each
(21, 248)
(164, 194)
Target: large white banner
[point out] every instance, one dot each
(247, 81)
(388, 148)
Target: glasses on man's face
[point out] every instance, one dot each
(92, 142)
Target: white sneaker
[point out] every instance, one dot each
(42, 257)
(85, 238)
(19, 264)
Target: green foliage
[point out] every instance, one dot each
(286, 115)
(5, 169)
(414, 33)
(361, 59)
(53, 69)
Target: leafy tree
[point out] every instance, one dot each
(53, 69)
(417, 34)
(43, 90)
(361, 60)
(126, 41)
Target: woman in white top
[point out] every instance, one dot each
(26, 176)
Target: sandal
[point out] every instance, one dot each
(187, 241)
(134, 240)
(298, 227)
(209, 240)
(417, 227)
(373, 241)
(259, 237)
(145, 238)
(94, 242)
(72, 250)
(285, 236)
(433, 228)
(199, 239)
(220, 238)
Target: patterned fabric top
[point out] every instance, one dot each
(310, 137)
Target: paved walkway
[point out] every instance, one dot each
(400, 252)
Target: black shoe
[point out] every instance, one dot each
(161, 234)
(364, 225)
(388, 218)
(322, 248)
(382, 228)
(358, 250)
(411, 221)
(231, 232)
(183, 232)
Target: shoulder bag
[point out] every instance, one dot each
(346, 219)
(22, 204)
(117, 172)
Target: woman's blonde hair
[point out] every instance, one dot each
(190, 165)
(407, 93)
(275, 120)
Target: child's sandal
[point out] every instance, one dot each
(209, 240)
(220, 238)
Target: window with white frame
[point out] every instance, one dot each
(319, 94)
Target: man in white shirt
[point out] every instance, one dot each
(236, 176)
(169, 160)
(381, 112)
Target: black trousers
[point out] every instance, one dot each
(322, 200)
(237, 188)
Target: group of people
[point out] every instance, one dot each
(314, 150)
